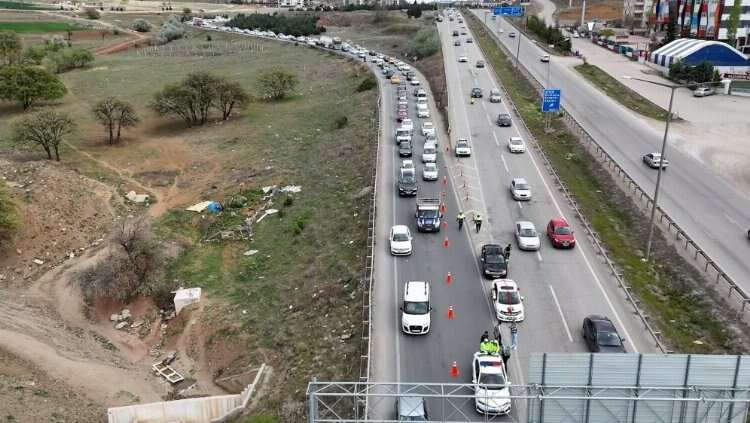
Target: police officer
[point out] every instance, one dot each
(507, 252)
(478, 221)
(505, 353)
(460, 219)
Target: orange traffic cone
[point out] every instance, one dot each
(445, 180)
(445, 224)
(442, 208)
(448, 278)
(451, 314)
(454, 370)
(446, 243)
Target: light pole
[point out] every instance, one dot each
(485, 17)
(663, 152)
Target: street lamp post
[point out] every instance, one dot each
(663, 152)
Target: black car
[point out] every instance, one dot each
(494, 265)
(388, 73)
(457, 43)
(601, 336)
(407, 183)
(503, 119)
(455, 33)
(476, 92)
(404, 149)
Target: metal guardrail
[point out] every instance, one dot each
(736, 296)
(656, 335)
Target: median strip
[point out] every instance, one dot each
(690, 318)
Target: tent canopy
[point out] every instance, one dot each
(691, 52)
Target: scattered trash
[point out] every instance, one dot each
(697, 342)
(121, 325)
(185, 297)
(212, 206)
(39, 262)
(268, 189)
(268, 212)
(137, 198)
(137, 324)
(250, 252)
(291, 188)
(125, 314)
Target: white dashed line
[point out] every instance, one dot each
(562, 316)
(539, 256)
(505, 165)
(497, 142)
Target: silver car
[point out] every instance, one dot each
(527, 236)
(520, 189)
(430, 172)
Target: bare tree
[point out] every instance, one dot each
(46, 128)
(133, 237)
(115, 114)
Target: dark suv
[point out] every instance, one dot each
(503, 119)
(476, 92)
(407, 183)
(494, 265)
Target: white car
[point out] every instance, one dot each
(400, 240)
(428, 128)
(414, 82)
(520, 189)
(429, 153)
(491, 385)
(544, 58)
(407, 164)
(423, 111)
(421, 100)
(507, 300)
(430, 172)
(654, 160)
(407, 124)
(415, 311)
(527, 236)
(463, 148)
(516, 145)
(463, 59)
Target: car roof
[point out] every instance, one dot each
(505, 284)
(492, 248)
(525, 224)
(400, 229)
(411, 407)
(520, 181)
(516, 138)
(416, 291)
(559, 221)
(602, 322)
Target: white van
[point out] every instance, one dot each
(415, 311)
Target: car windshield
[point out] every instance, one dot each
(428, 214)
(522, 187)
(516, 142)
(429, 150)
(528, 232)
(430, 167)
(462, 144)
(494, 257)
(400, 237)
(409, 178)
(608, 339)
(504, 116)
(492, 379)
(509, 297)
(562, 230)
(416, 307)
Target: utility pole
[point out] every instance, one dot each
(583, 12)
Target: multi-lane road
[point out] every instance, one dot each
(708, 208)
(560, 286)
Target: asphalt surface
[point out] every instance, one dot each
(710, 210)
(560, 287)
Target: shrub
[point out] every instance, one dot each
(424, 44)
(186, 10)
(68, 59)
(291, 25)
(341, 122)
(276, 83)
(172, 29)
(367, 84)
(141, 25)
(9, 220)
(93, 14)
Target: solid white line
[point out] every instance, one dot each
(733, 221)
(562, 316)
(505, 165)
(539, 256)
(519, 205)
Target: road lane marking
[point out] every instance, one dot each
(733, 221)
(519, 205)
(539, 256)
(580, 250)
(505, 165)
(562, 316)
(497, 142)
(489, 119)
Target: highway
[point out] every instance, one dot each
(560, 287)
(708, 208)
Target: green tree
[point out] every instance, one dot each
(276, 83)
(141, 25)
(229, 95)
(733, 22)
(414, 11)
(68, 59)
(671, 32)
(28, 85)
(191, 99)
(115, 114)
(606, 33)
(702, 72)
(46, 128)
(10, 47)
(677, 71)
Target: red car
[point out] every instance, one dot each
(560, 234)
(402, 114)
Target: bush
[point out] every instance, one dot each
(172, 29)
(367, 84)
(8, 217)
(548, 34)
(296, 25)
(141, 25)
(186, 11)
(68, 59)
(425, 43)
(276, 83)
(93, 14)
(341, 122)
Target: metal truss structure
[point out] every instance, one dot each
(374, 402)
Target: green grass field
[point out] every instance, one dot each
(21, 6)
(31, 27)
(621, 93)
(681, 314)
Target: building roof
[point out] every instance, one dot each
(692, 52)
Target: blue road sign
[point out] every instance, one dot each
(508, 11)
(551, 101)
